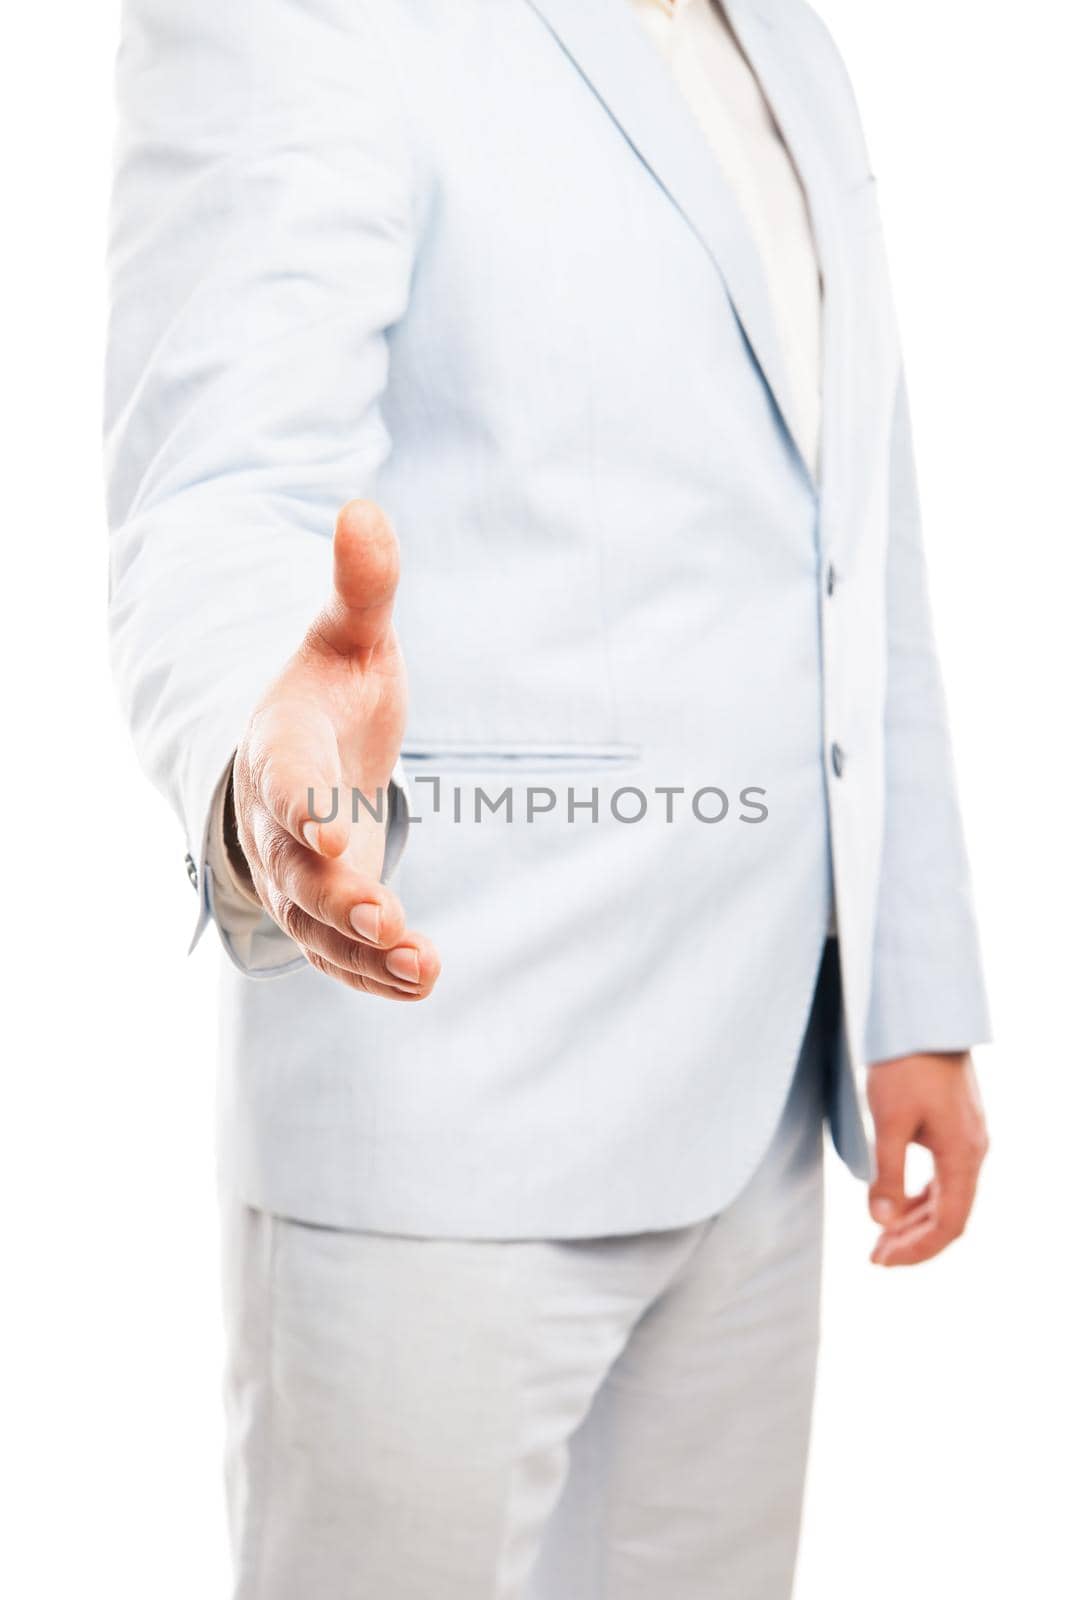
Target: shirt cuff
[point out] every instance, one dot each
(251, 938)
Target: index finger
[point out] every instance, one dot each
(941, 1220)
(294, 769)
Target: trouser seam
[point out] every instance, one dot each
(267, 1376)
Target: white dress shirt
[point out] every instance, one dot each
(724, 95)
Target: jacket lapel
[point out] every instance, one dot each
(606, 44)
(794, 104)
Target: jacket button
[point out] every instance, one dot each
(837, 759)
(190, 867)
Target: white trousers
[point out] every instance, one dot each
(623, 1418)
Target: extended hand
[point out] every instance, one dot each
(332, 724)
(929, 1100)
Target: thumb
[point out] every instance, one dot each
(887, 1196)
(366, 569)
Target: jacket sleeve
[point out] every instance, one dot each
(261, 248)
(927, 988)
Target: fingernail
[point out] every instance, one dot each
(310, 830)
(403, 964)
(883, 1210)
(367, 921)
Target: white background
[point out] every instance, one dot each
(937, 1467)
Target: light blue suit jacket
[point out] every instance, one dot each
(475, 260)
